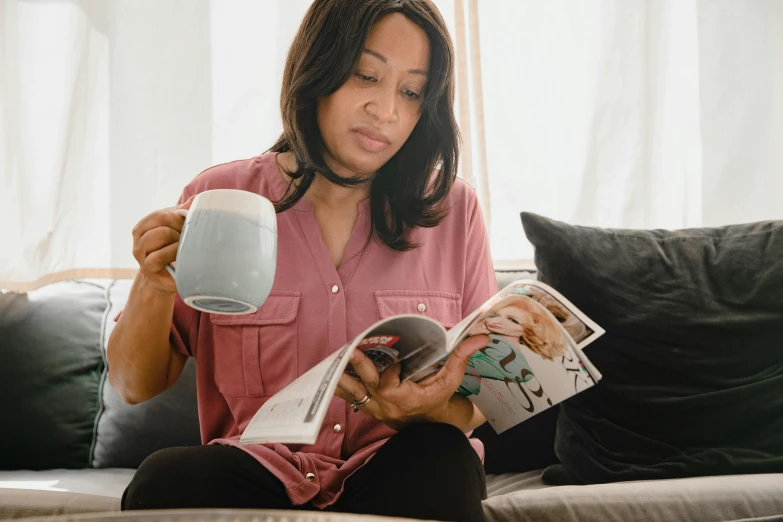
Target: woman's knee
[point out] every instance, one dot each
(210, 476)
(156, 483)
(438, 444)
(435, 437)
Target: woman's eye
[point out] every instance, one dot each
(364, 77)
(410, 94)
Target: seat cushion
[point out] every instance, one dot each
(19, 503)
(61, 491)
(512, 497)
(524, 497)
(691, 360)
(100, 482)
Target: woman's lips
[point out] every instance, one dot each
(369, 142)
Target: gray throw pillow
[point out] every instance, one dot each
(692, 358)
(127, 434)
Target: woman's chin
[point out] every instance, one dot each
(363, 163)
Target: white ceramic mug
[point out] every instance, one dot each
(227, 252)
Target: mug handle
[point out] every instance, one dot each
(169, 267)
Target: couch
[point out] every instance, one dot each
(75, 444)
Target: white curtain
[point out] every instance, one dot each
(630, 113)
(625, 113)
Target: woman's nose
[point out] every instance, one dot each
(383, 106)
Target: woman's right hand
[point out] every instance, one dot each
(155, 242)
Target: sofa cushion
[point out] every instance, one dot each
(512, 497)
(127, 434)
(50, 345)
(100, 482)
(21, 503)
(507, 276)
(525, 498)
(692, 358)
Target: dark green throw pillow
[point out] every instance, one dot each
(50, 373)
(692, 358)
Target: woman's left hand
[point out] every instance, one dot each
(398, 403)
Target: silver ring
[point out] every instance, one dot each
(358, 404)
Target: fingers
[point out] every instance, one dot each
(468, 347)
(157, 260)
(349, 389)
(366, 371)
(168, 217)
(160, 218)
(390, 378)
(448, 378)
(155, 234)
(157, 238)
(153, 240)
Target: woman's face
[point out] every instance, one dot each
(509, 320)
(367, 120)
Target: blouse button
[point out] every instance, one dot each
(335, 289)
(422, 307)
(337, 428)
(310, 477)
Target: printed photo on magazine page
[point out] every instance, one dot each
(530, 364)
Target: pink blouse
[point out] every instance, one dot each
(313, 310)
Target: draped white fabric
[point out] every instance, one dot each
(632, 113)
(627, 113)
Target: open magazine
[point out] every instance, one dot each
(533, 361)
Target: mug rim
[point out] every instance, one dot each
(191, 301)
(251, 205)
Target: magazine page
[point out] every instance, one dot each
(413, 341)
(580, 327)
(530, 363)
(295, 413)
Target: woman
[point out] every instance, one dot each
(371, 222)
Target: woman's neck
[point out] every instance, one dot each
(323, 192)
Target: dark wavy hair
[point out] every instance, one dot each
(408, 191)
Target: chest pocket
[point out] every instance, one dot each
(256, 354)
(444, 307)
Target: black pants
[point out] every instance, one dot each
(424, 471)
